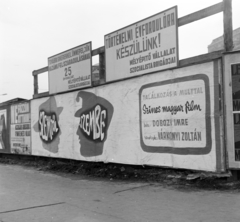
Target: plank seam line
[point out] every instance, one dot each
(28, 208)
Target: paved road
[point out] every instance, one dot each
(28, 195)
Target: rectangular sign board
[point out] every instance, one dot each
(71, 69)
(20, 129)
(175, 115)
(147, 46)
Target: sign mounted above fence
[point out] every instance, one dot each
(146, 46)
(71, 69)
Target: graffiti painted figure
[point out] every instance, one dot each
(94, 116)
(47, 125)
(3, 130)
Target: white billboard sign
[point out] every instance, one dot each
(175, 113)
(146, 46)
(20, 139)
(71, 69)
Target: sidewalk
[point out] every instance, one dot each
(27, 194)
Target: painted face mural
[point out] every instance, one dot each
(94, 116)
(47, 125)
(3, 129)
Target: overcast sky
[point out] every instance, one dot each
(33, 30)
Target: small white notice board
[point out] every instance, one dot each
(71, 69)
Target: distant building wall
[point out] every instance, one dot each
(217, 44)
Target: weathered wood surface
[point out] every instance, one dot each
(35, 84)
(39, 95)
(212, 10)
(98, 51)
(200, 58)
(39, 71)
(227, 24)
(102, 67)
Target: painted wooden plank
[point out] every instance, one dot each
(201, 58)
(39, 71)
(35, 84)
(227, 20)
(102, 71)
(212, 10)
(40, 95)
(98, 51)
(218, 117)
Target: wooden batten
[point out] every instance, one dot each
(212, 10)
(227, 23)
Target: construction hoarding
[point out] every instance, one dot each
(169, 118)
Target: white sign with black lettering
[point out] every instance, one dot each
(146, 46)
(71, 69)
(174, 114)
(20, 128)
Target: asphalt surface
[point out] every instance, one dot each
(27, 195)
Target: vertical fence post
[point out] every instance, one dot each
(35, 83)
(102, 67)
(227, 23)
